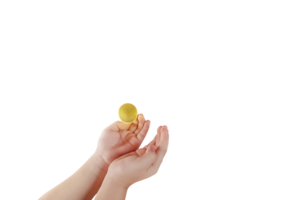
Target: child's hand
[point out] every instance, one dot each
(140, 164)
(120, 138)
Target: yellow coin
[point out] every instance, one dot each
(127, 113)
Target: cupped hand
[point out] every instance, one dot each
(142, 163)
(120, 138)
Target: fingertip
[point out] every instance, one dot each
(151, 148)
(164, 129)
(141, 114)
(154, 147)
(164, 125)
(147, 124)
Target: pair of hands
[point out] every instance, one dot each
(119, 145)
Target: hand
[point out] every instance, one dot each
(120, 138)
(140, 164)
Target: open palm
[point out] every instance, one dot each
(120, 138)
(142, 163)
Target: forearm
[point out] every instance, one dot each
(83, 184)
(111, 190)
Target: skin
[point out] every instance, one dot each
(133, 167)
(120, 138)
(116, 140)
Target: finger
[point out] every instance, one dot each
(141, 121)
(142, 135)
(140, 152)
(158, 136)
(153, 141)
(133, 126)
(144, 147)
(148, 157)
(137, 140)
(163, 145)
(151, 148)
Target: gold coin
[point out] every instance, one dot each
(127, 113)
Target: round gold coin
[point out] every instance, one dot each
(127, 113)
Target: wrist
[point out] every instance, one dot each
(111, 189)
(113, 183)
(99, 161)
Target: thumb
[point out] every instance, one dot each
(149, 156)
(151, 148)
